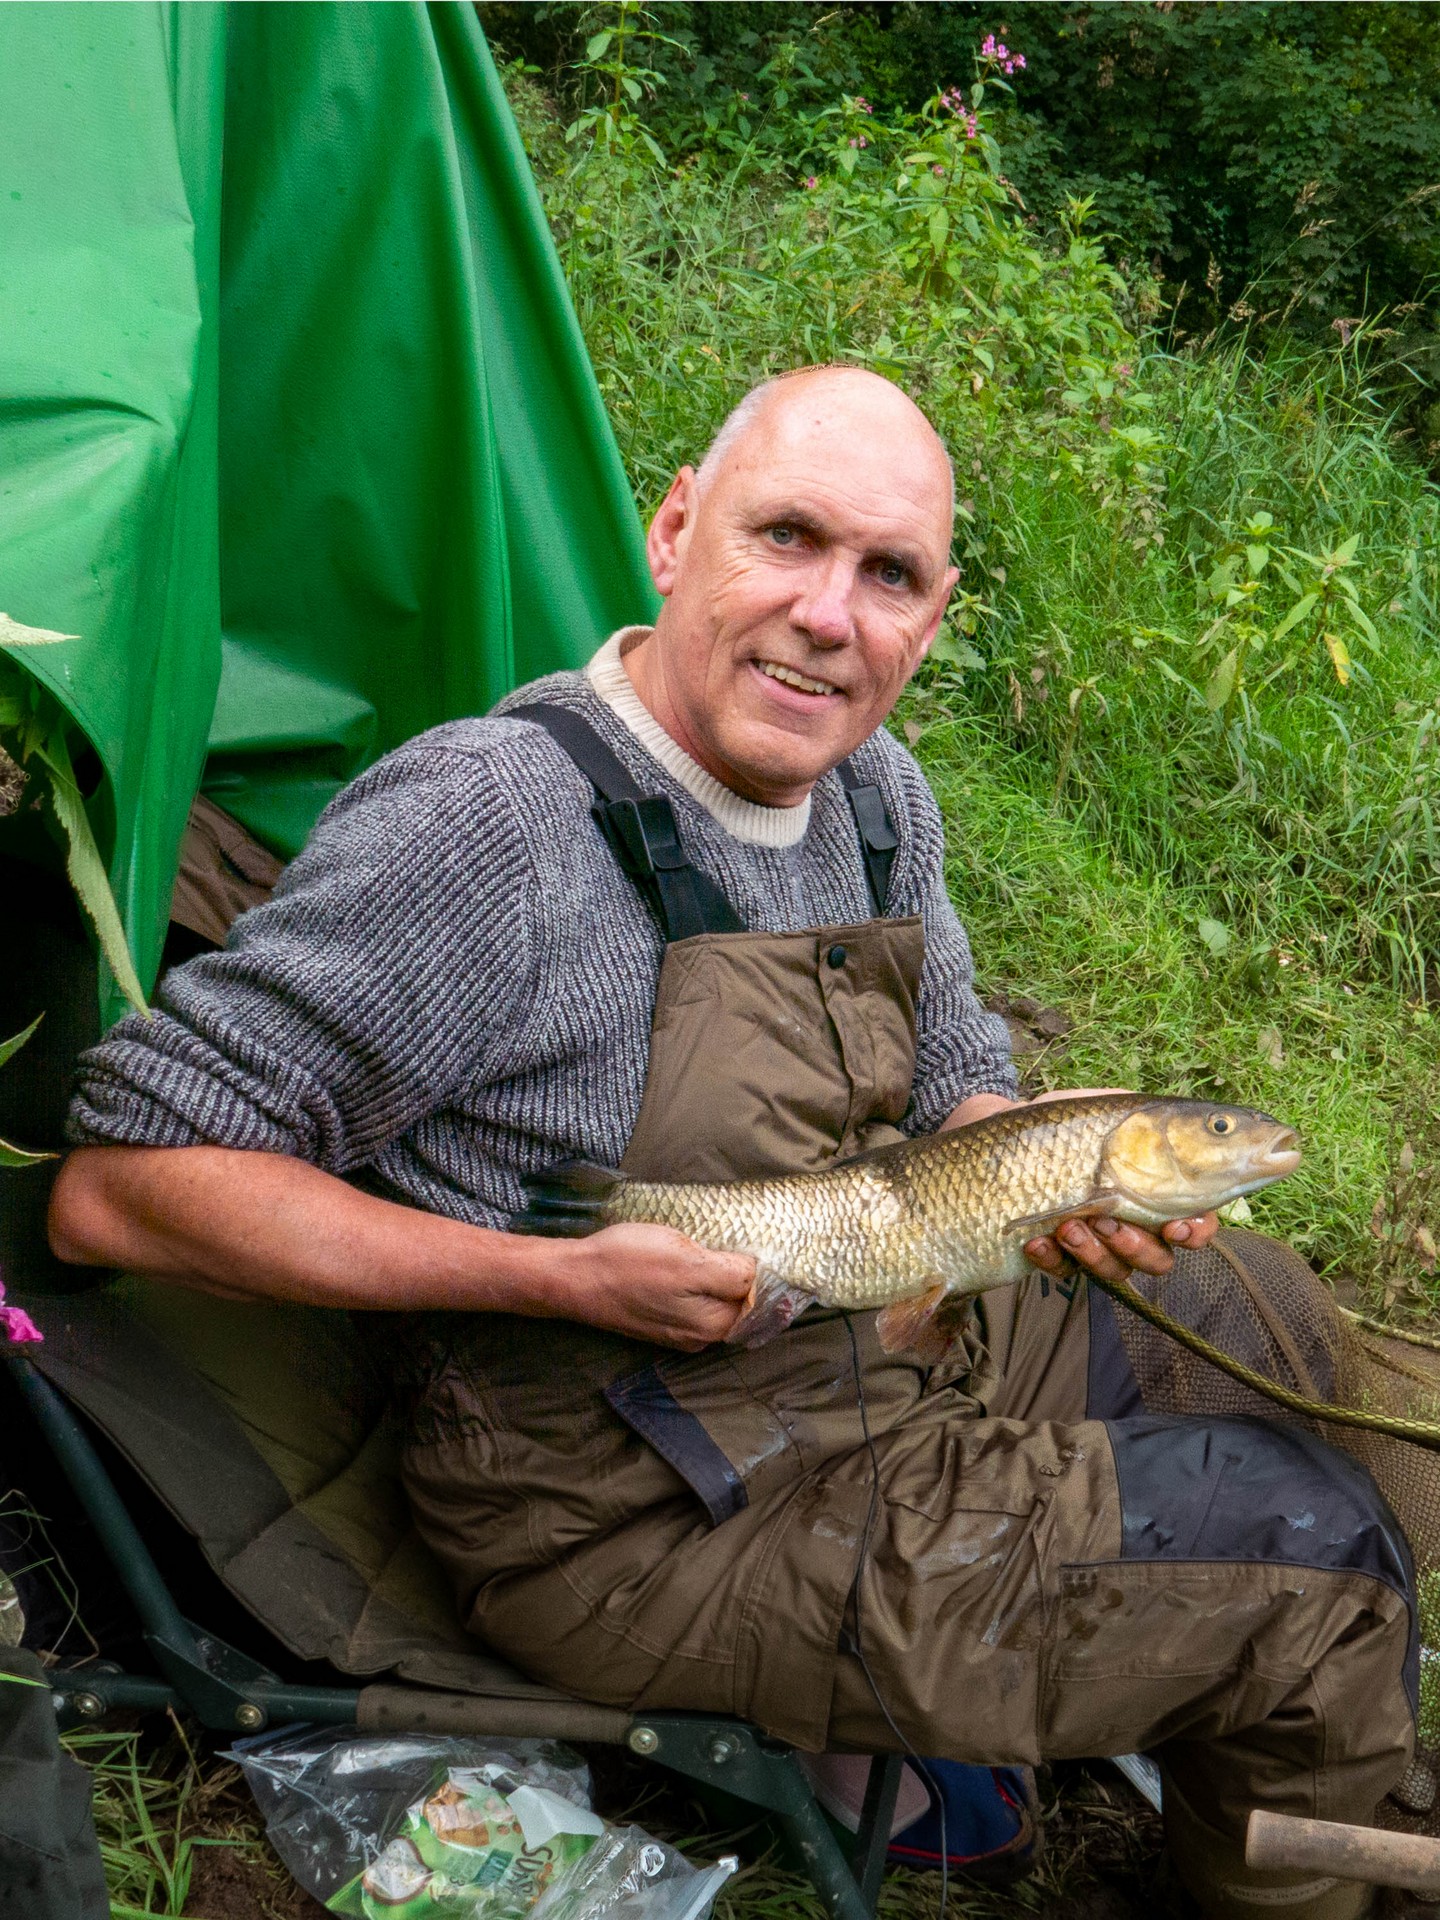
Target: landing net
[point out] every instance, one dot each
(1251, 1331)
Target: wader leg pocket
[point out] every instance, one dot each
(698, 1413)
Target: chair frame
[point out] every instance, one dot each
(229, 1692)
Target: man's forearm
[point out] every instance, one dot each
(262, 1225)
(265, 1224)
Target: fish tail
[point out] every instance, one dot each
(569, 1200)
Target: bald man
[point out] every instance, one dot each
(685, 913)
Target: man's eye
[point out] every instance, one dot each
(892, 573)
(783, 536)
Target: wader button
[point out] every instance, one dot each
(836, 957)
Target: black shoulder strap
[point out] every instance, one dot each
(878, 838)
(640, 829)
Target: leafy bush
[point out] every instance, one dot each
(1282, 153)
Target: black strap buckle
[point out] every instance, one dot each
(877, 829)
(642, 834)
(878, 838)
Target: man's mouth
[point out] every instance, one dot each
(789, 677)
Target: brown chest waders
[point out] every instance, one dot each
(1053, 1570)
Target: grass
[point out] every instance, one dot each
(146, 1802)
(179, 1834)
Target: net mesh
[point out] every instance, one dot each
(1259, 1302)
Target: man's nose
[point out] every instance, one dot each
(826, 605)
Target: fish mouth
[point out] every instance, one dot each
(1282, 1156)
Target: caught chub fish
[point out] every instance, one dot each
(915, 1228)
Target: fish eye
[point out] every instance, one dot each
(1220, 1123)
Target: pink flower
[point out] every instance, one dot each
(996, 50)
(939, 172)
(16, 1325)
(812, 181)
(953, 100)
(854, 143)
(863, 141)
(862, 105)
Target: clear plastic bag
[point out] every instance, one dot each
(418, 1828)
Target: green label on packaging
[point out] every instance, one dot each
(468, 1852)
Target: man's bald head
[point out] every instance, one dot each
(805, 388)
(804, 572)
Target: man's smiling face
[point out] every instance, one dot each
(803, 583)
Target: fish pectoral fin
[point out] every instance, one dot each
(772, 1305)
(930, 1325)
(1032, 1223)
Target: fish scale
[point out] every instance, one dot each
(945, 1215)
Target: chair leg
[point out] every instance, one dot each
(813, 1842)
(730, 1755)
(872, 1837)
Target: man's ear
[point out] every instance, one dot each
(952, 574)
(670, 531)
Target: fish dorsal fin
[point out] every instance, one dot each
(1032, 1223)
(929, 1325)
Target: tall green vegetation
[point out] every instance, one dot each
(1282, 156)
(1184, 719)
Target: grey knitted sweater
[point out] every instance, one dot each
(452, 985)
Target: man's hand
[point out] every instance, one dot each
(651, 1283)
(1110, 1248)
(1114, 1250)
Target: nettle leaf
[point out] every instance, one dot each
(1222, 681)
(86, 868)
(1365, 624)
(1345, 552)
(1302, 607)
(1215, 934)
(598, 43)
(1339, 656)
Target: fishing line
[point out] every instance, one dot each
(856, 1584)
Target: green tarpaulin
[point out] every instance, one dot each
(297, 430)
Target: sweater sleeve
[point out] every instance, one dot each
(393, 961)
(960, 1048)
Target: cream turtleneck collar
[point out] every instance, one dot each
(762, 826)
